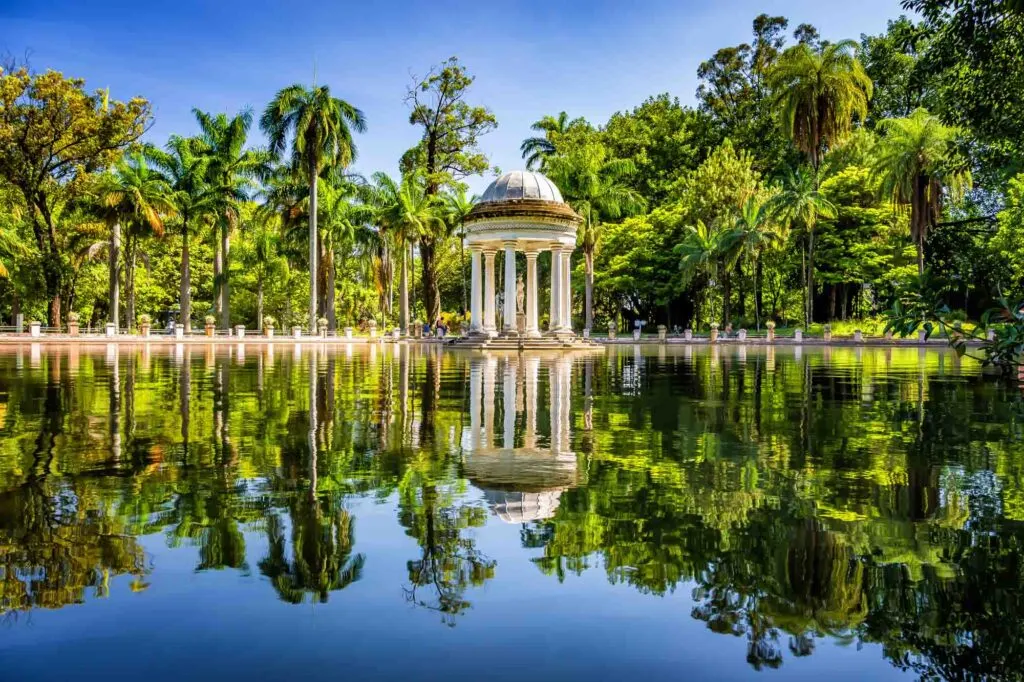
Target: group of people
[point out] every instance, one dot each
(440, 329)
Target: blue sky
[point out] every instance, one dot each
(530, 58)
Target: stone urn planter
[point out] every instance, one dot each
(296, 332)
(348, 333)
(268, 326)
(714, 332)
(321, 327)
(741, 335)
(888, 335)
(798, 335)
(611, 330)
(688, 334)
(35, 329)
(662, 333)
(110, 330)
(145, 325)
(636, 334)
(858, 336)
(210, 325)
(372, 326)
(179, 331)
(827, 331)
(73, 324)
(240, 331)
(770, 326)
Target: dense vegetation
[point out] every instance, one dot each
(813, 181)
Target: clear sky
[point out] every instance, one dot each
(529, 58)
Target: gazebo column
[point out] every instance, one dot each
(476, 311)
(490, 327)
(509, 317)
(565, 318)
(556, 280)
(532, 326)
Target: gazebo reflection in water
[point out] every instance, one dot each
(518, 448)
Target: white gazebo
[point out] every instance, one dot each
(520, 211)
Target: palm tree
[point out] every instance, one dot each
(264, 258)
(138, 197)
(800, 202)
(320, 127)
(818, 91)
(536, 150)
(339, 222)
(457, 206)
(755, 232)
(407, 212)
(184, 165)
(595, 187)
(700, 255)
(231, 171)
(916, 165)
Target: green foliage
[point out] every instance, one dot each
(1000, 334)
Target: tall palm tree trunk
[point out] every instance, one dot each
(431, 292)
(115, 284)
(403, 292)
(588, 261)
(129, 282)
(225, 293)
(218, 273)
(462, 270)
(259, 305)
(758, 289)
(185, 293)
(810, 277)
(313, 251)
(726, 297)
(332, 317)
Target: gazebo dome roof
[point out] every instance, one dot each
(521, 184)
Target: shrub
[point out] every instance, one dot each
(269, 321)
(145, 319)
(72, 316)
(210, 320)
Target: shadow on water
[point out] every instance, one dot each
(794, 497)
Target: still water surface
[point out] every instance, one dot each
(270, 513)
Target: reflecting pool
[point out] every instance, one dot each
(272, 512)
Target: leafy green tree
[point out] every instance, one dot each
(756, 231)
(456, 206)
(264, 258)
(707, 251)
(52, 135)
(892, 62)
(917, 167)
(734, 90)
(663, 139)
(139, 198)
(184, 164)
(407, 212)
(976, 56)
(447, 152)
(1009, 238)
(320, 127)
(595, 186)
(799, 202)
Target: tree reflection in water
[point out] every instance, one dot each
(850, 496)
